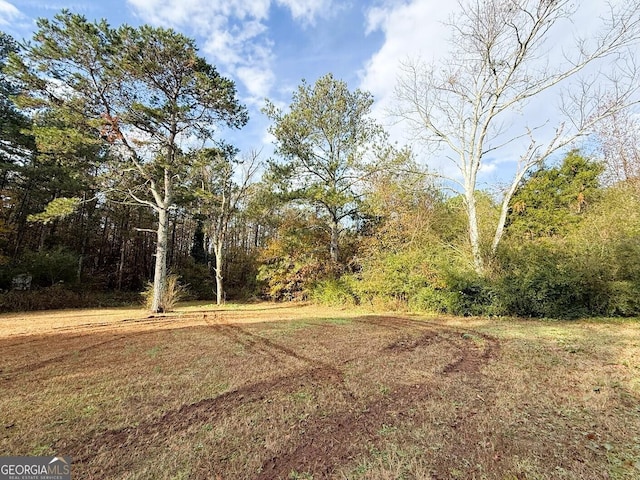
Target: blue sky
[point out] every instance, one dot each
(268, 46)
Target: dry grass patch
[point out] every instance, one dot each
(276, 391)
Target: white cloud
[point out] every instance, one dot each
(307, 10)
(411, 29)
(197, 13)
(258, 82)
(8, 13)
(417, 29)
(234, 32)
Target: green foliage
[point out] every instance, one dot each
(295, 258)
(623, 298)
(571, 248)
(432, 300)
(57, 208)
(241, 273)
(551, 200)
(323, 140)
(541, 279)
(197, 252)
(431, 278)
(12, 122)
(393, 277)
(334, 292)
(60, 296)
(48, 267)
(595, 270)
(197, 280)
(289, 279)
(470, 294)
(135, 92)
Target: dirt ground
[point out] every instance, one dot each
(269, 391)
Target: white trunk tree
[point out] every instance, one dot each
(501, 60)
(224, 183)
(144, 90)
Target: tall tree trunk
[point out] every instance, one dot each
(219, 252)
(333, 250)
(504, 211)
(172, 250)
(474, 234)
(160, 273)
(121, 264)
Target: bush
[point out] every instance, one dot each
(334, 292)
(240, 280)
(60, 297)
(545, 279)
(46, 267)
(174, 291)
(392, 279)
(624, 299)
(293, 281)
(197, 279)
(429, 299)
(469, 294)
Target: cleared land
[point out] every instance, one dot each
(270, 391)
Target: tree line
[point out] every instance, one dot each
(116, 177)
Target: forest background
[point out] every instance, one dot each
(100, 196)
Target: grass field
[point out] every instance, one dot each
(268, 391)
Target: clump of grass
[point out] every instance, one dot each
(174, 291)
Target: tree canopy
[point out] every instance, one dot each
(466, 106)
(115, 171)
(140, 91)
(323, 142)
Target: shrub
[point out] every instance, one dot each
(334, 292)
(624, 299)
(197, 280)
(470, 294)
(288, 280)
(392, 279)
(544, 279)
(174, 291)
(46, 267)
(60, 297)
(429, 299)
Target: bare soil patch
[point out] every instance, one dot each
(268, 391)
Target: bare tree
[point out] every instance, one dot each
(619, 140)
(224, 183)
(500, 61)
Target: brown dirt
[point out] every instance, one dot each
(309, 395)
(328, 441)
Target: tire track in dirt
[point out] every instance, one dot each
(31, 367)
(260, 343)
(82, 451)
(87, 331)
(469, 365)
(320, 373)
(332, 441)
(321, 443)
(461, 339)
